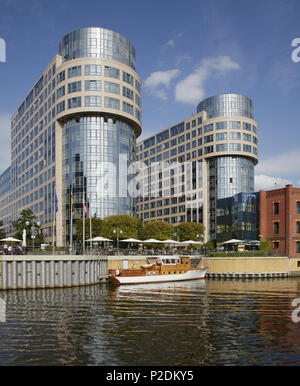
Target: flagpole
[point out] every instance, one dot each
(71, 224)
(54, 217)
(83, 224)
(91, 243)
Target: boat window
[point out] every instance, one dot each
(173, 261)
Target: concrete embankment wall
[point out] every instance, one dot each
(22, 272)
(36, 271)
(252, 266)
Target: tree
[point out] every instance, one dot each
(211, 245)
(20, 225)
(130, 227)
(159, 230)
(2, 234)
(96, 228)
(190, 231)
(264, 245)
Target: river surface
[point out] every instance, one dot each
(199, 323)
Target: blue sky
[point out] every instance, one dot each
(186, 51)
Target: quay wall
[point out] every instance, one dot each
(48, 271)
(252, 266)
(37, 271)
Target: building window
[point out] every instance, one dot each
(74, 102)
(92, 101)
(276, 244)
(111, 87)
(112, 103)
(298, 227)
(208, 128)
(297, 246)
(276, 228)
(92, 85)
(127, 78)
(127, 108)
(74, 71)
(234, 124)
(128, 93)
(246, 126)
(92, 69)
(112, 72)
(276, 208)
(235, 147)
(298, 206)
(221, 147)
(221, 125)
(60, 77)
(74, 87)
(247, 148)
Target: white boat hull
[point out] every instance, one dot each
(189, 275)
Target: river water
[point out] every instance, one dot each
(199, 323)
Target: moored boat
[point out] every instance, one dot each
(163, 269)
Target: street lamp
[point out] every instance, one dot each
(118, 232)
(33, 232)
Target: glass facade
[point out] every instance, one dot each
(238, 217)
(98, 43)
(227, 105)
(96, 152)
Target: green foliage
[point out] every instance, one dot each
(129, 225)
(211, 245)
(190, 231)
(264, 245)
(159, 230)
(20, 225)
(2, 235)
(96, 228)
(241, 254)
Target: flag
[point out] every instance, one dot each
(84, 207)
(72, 205)
(56, 203)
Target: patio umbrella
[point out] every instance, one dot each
(99, 239)
(170, 242)
(11, 239)
(130, 241)
(233, 241)
(253, 242)
(152, 241)
(190, 242)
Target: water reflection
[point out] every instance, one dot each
(208, 322)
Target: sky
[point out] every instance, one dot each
(186, 51)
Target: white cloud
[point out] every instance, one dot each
(158, 82)
(191, 89)
(281, 165)
(170, 43)
(264, 182)
(5, 141)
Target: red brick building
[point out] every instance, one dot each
(280, 220)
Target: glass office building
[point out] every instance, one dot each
(75, 133)
(238, 217)
(187, 167)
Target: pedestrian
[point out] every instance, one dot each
(5, 249)
(9, 250)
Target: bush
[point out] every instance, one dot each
(241, 254)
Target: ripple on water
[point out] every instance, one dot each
(227, 322)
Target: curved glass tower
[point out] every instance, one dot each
(99, 111)
(227, 105)
(230, 167)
